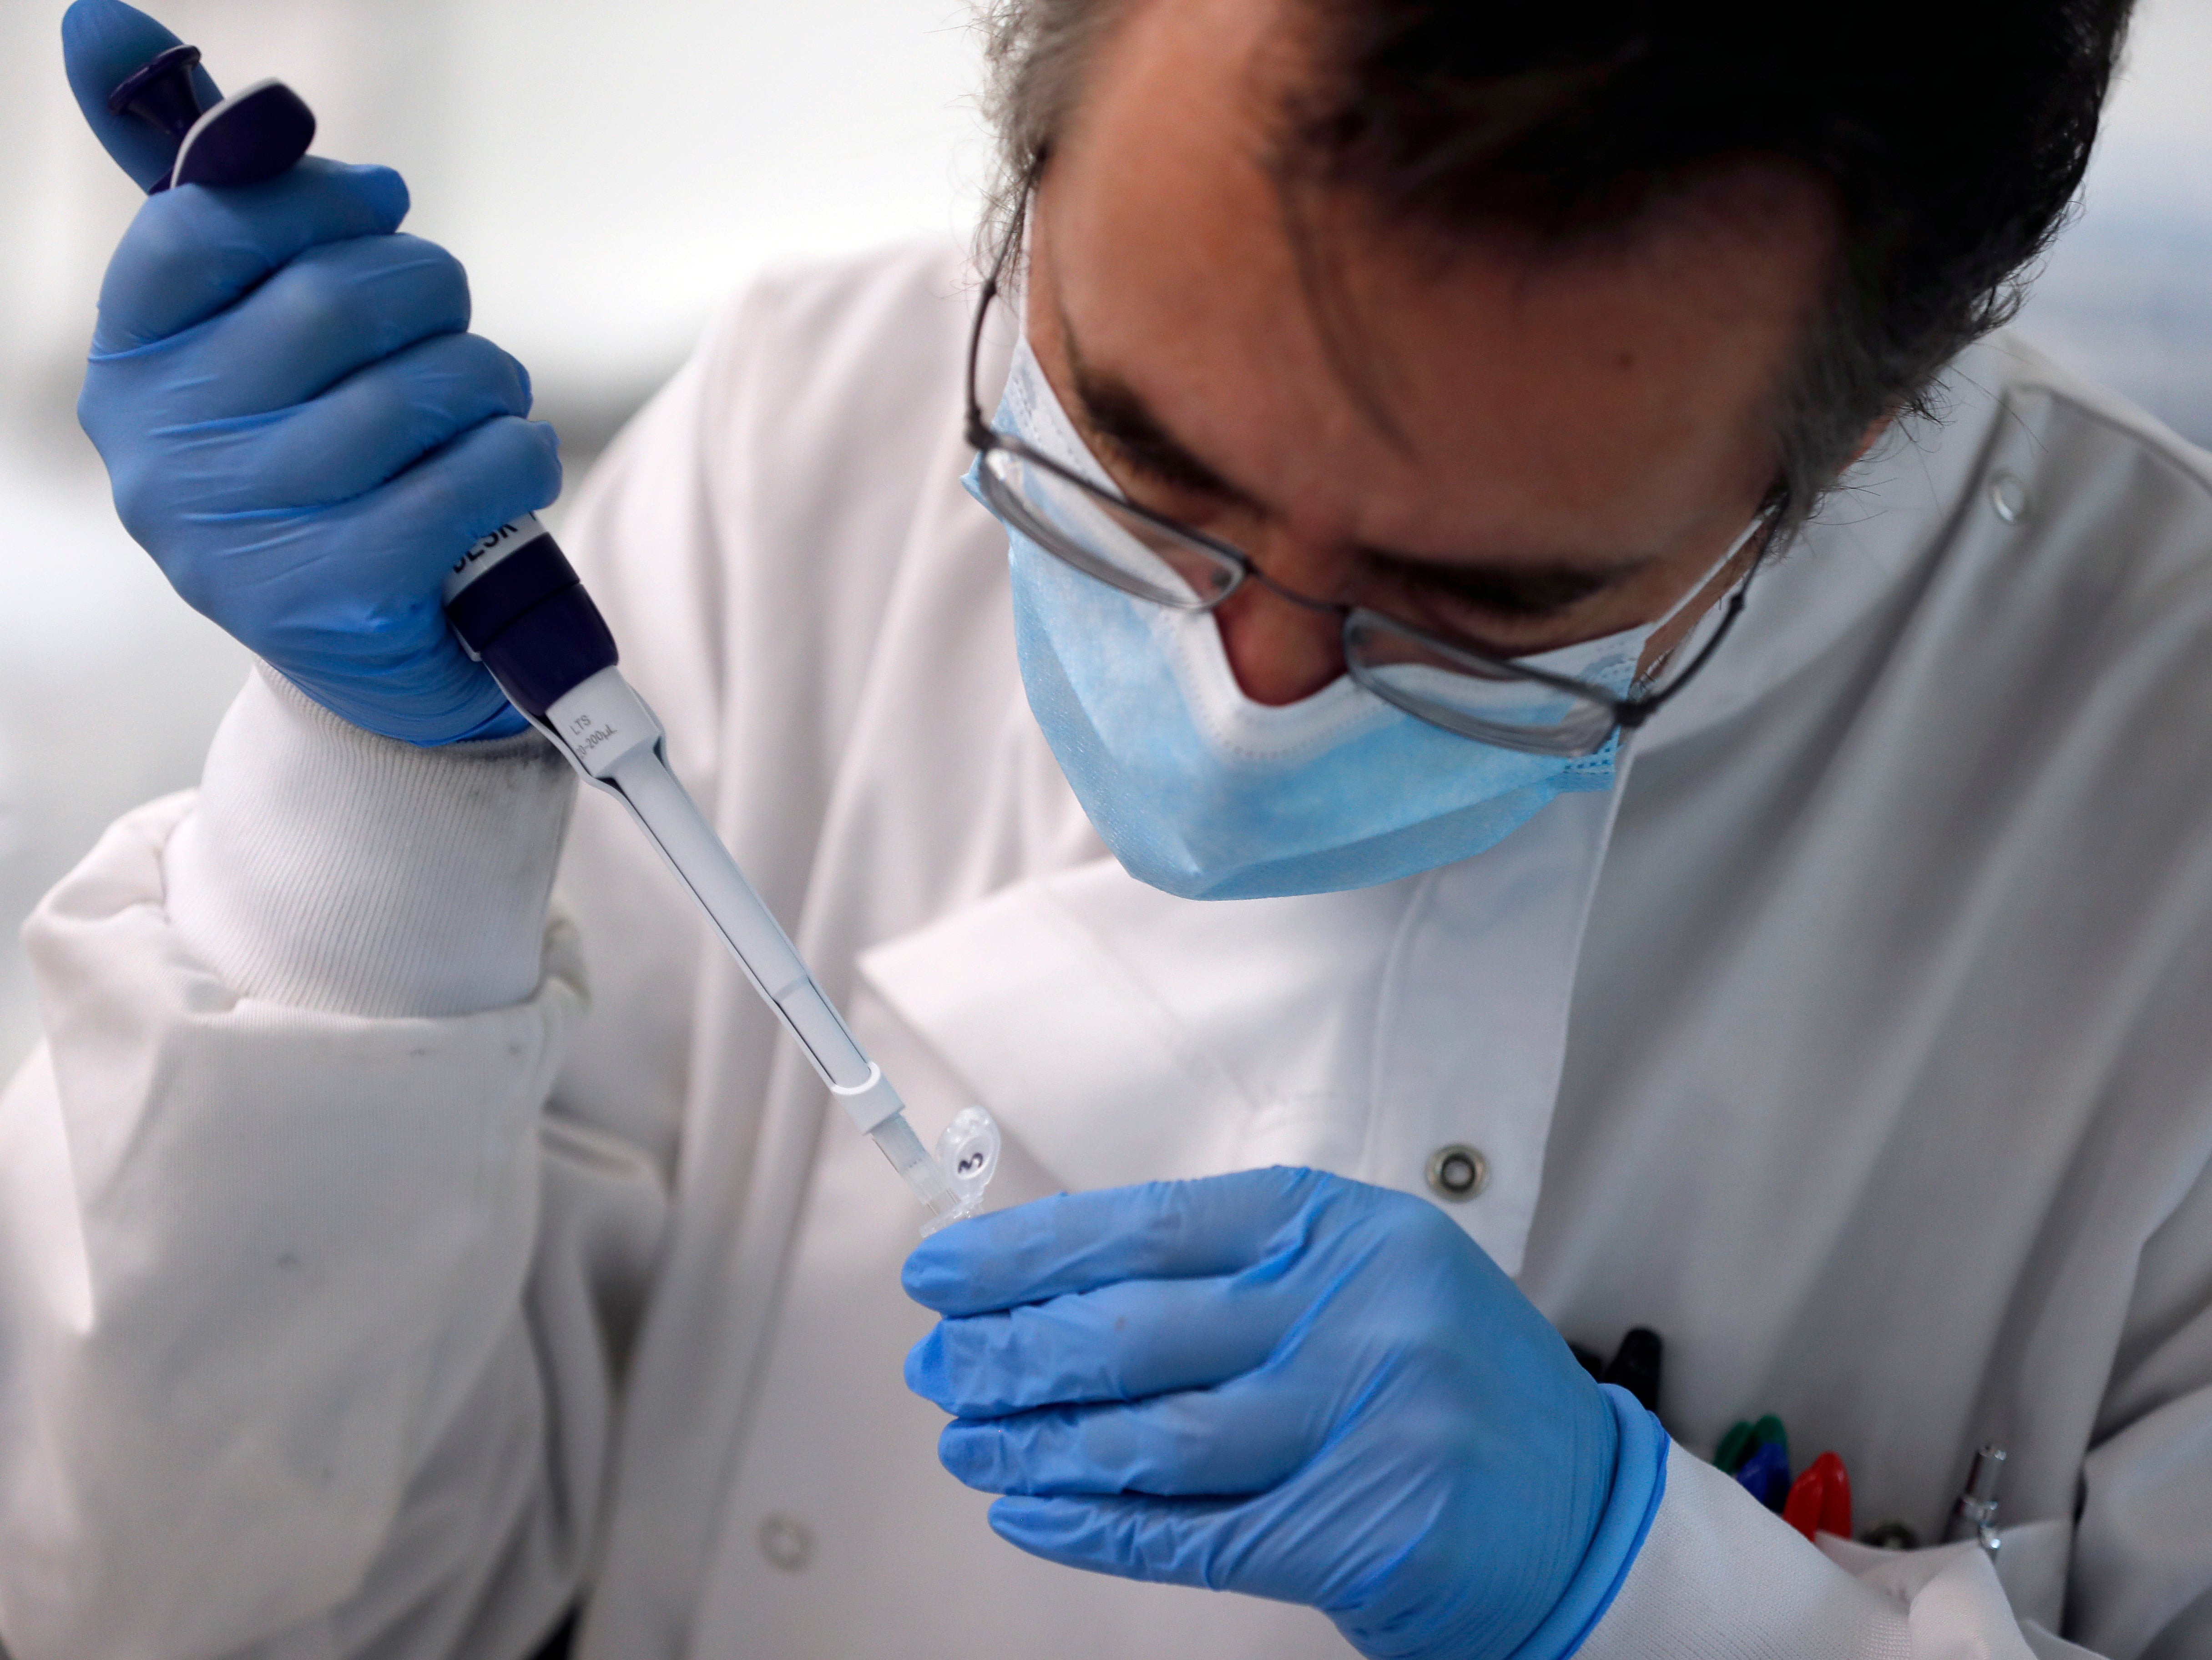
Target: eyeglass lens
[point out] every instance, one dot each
(1468, 694)
(1107, 539)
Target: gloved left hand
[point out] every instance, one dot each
(1293, 1385)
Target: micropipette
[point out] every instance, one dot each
(519, 608)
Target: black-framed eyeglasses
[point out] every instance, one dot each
(1494, 699)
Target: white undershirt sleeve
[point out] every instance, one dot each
(324, 868)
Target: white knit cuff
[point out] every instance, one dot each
(1722, 1578)
(325, 867)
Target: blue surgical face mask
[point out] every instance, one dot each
(1201, 792)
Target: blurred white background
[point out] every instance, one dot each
(608, 171)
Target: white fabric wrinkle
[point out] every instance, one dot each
(255, 1433)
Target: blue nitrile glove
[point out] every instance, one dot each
(1289, 1384)
(297, 425)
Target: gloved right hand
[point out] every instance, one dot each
(298, 426)
(1284, 1384)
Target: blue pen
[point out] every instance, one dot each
(1766, 1475)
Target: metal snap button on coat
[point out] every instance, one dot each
(2009, 496)
(786, 1541)
(1458, 1171)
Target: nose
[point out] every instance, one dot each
(1280, 650)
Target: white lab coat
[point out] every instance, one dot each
(378, 1264)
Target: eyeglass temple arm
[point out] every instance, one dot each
(979, 430)
(1633, 712)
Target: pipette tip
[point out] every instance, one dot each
(912, 1161)
(950, 1183)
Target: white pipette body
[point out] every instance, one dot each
(611, 736)
(616, 743)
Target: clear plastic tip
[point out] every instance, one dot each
(953, 1188)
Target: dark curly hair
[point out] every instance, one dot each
(1954, 134)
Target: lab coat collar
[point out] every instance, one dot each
(1889, 516)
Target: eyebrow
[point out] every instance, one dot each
(1510, 590)
(1116, 411)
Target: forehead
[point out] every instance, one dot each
(1375, 384)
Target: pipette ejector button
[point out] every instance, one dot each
(244, 140)
(161, 90)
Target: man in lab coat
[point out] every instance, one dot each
(386, 1269)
